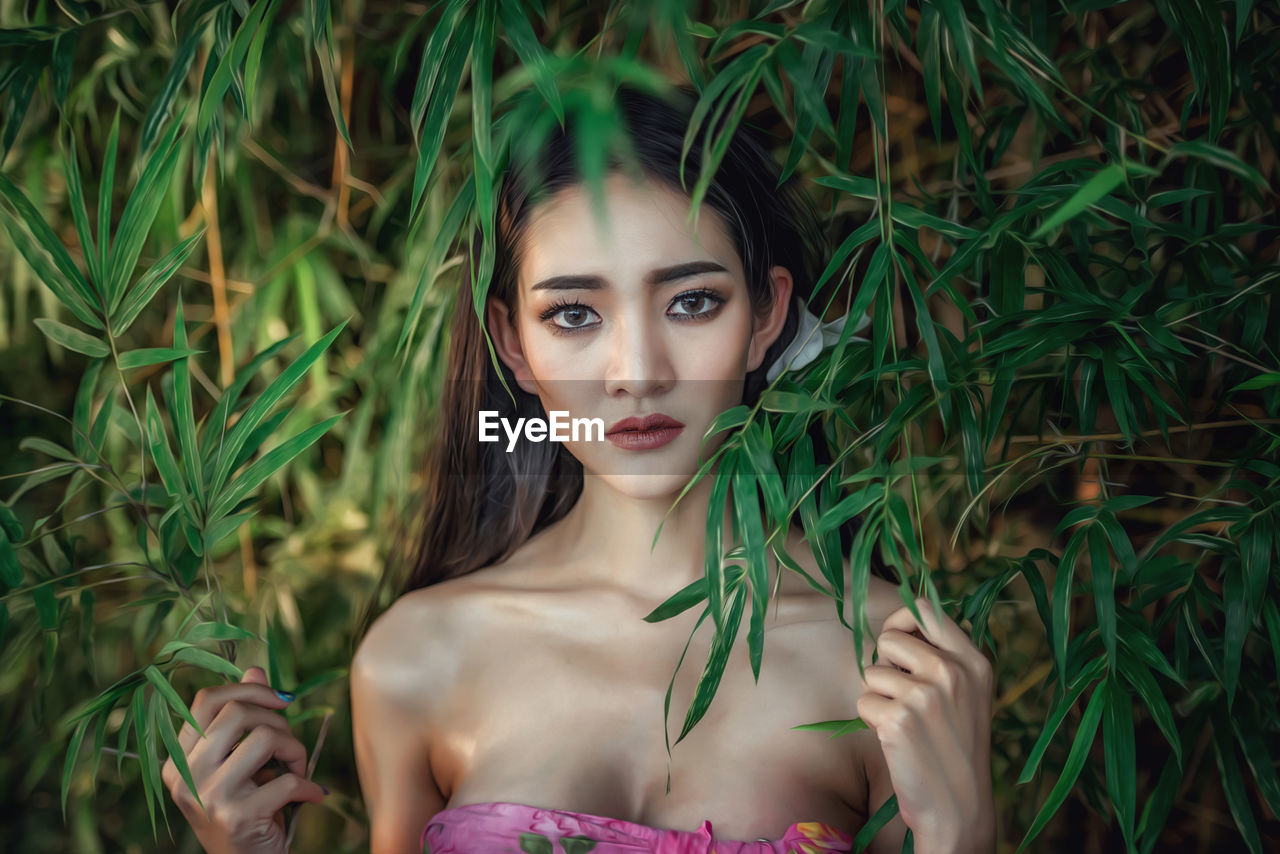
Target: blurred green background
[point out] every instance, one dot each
(1062, 215)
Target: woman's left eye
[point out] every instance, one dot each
(696, 304)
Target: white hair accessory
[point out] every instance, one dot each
(812, 337)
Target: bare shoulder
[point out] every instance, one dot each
(405, 666)
(410, 653)
(882, 597)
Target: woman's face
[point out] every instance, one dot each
(636, 317)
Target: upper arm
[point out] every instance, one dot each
(879, 790)
(390, 728)
(882, 599)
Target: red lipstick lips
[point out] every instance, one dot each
(642, 434)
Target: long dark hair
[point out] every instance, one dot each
(481, 503)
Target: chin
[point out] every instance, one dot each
(645, 486)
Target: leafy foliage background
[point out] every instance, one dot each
(1061, 218)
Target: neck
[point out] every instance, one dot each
(612, 536)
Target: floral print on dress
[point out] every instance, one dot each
(499, 827)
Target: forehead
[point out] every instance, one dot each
(644, 227)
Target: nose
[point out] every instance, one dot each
(640, 362)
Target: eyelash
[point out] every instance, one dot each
(561, 305)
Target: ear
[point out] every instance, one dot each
(769, 326)
(506, 343)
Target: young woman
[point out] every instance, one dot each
(513, 691)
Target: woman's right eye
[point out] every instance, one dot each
(570, 317)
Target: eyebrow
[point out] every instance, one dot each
(660, 276)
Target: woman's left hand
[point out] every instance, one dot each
(928, 700)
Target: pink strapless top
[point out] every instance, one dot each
(498, 827)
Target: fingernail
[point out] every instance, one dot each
(287, 696)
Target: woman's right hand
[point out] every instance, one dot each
(243, 801)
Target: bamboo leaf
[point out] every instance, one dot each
(72, 338)
(1101, 184)
(716, 660)
(139, 214)
(183, 411)
(883, 815)
(1071, 770)
(836, 727)
(146, 754)
(1121, 756)
(140, 295)
(746, 505)
(151, 356)
(267, 465)
(274, 393)
(73, 752)
(1233, 784)
(1078, 685)
(679, 602)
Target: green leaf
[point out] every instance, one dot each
(1154, 699)
(165, 690)
(1104, 595)
(170, 739)
(1265, 380)
(73, 752)
(267, 465)
(263, 404)
(183, 408)
(139, 296)
(717, 657)
(679, 602)
(152, 356)
(217, 631)
(1079, 683)
(161, 454)
(713, 557)
(1121, 755)
(1071, 770)
(46, 255)
(231, 61)
(1101, 184)
(151, 785)
(213, 439)
(746, 505)
(1217, 156)
(319, 681)
(1233, 783)
(72, 338)
(45, 446)
(79, 210)
(773, 400)
(139, 214)
(882, 816)
(105, 188)
(836, 727)
(10, 569)
(440, 103)
(1061, 608)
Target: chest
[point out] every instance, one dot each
(572, 717)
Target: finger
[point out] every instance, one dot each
(909, 652)
(285, 789)
(232, 723)
(888, 682)
(875, 710)
(256, 750)
(943, 633)
(209, 701)
(255, 675)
